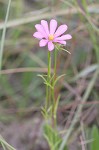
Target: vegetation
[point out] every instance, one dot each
(22, 93)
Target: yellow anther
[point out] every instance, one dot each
(51, 37)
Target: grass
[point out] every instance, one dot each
(5, 144)
(4, 33)
(80, 106)
(21, 60)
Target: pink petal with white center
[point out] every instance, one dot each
(60, 30)
(64, 37)
(38, 35)
(41, 30)
(43, 43)
(50, 46)
(53, 26)
(45, 26)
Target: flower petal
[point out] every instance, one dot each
(53, 26)
(38, 35)
(50, 46)
(60, 30)
(60, 41)
(43, 43)
(64, 37)
(40, 29)
(44, 23)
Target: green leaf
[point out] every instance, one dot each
(56, 106)
(42, 76)
(45, 80)
(95, 137)
(65, 50)
(57, 79)
(52, 137)
(58, 47)
(46, 113)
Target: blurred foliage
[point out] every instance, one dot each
(22, 91)
(53, 139)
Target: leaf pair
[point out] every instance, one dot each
(46, 113)
(49, 83)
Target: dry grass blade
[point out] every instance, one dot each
(32, 18)
(19, 70)
(77, 115)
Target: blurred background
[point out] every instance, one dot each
(22, 92)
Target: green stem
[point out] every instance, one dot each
(55, 58)
(49, 64)
(48, 93)
(53, 90)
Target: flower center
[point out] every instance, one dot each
(51, 37)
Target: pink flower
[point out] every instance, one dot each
(49, 35)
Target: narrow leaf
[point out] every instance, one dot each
(95, 137)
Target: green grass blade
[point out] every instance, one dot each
(4, 148)
(4, 143)
(3, 34)
(95, 135)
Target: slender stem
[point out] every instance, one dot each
(55, 70)
(47, 101)
(48, 93)
(53, 90)
(55, 66)
(49, 64)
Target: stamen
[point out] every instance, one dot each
(51, 37)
